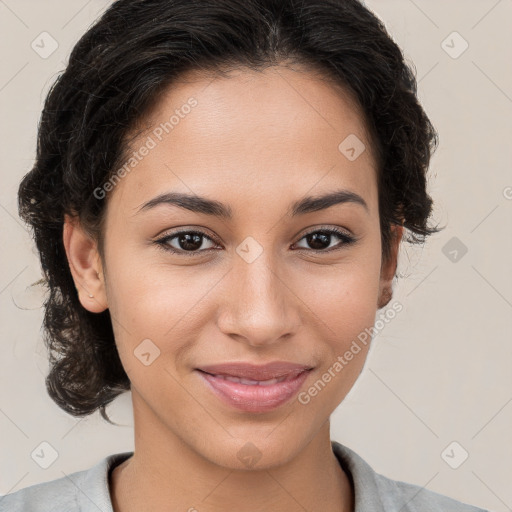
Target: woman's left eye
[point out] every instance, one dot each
(190, 242)
(323, 236)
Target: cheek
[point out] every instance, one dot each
(343, 306)
(153, 296)
(160, 302)
(346, 309)
(344, 296)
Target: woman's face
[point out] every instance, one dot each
(264, 284)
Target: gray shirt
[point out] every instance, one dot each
(88, 490)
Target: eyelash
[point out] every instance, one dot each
(162, 243)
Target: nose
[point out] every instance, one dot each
(260, 307)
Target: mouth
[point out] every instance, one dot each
(254, 395)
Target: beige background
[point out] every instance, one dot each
(439, 372)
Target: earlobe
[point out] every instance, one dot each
(85, 265)
(385, 295)
(388, 268)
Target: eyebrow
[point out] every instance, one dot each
(215, 208)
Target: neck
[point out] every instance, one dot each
(166, 474)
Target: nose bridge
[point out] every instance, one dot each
(256, 269)
(260, 281)
(260, 305)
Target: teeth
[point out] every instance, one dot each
(250, 382)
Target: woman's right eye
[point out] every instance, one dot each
(188, 242)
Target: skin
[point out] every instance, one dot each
(288, 304)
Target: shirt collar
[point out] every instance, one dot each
(93, 489)
(363, 478)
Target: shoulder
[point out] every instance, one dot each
(45, 496)
(80, 491)
(375, 492)
(414, 498)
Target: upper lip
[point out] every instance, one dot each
(273, 370)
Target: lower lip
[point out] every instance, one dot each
(254, 398)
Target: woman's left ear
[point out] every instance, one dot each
(388, 267)
(85, 265)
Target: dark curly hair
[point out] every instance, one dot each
(117, 71)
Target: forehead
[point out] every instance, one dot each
(248, 133)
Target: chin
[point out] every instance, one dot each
(252, 453)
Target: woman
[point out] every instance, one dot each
(219, 196)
